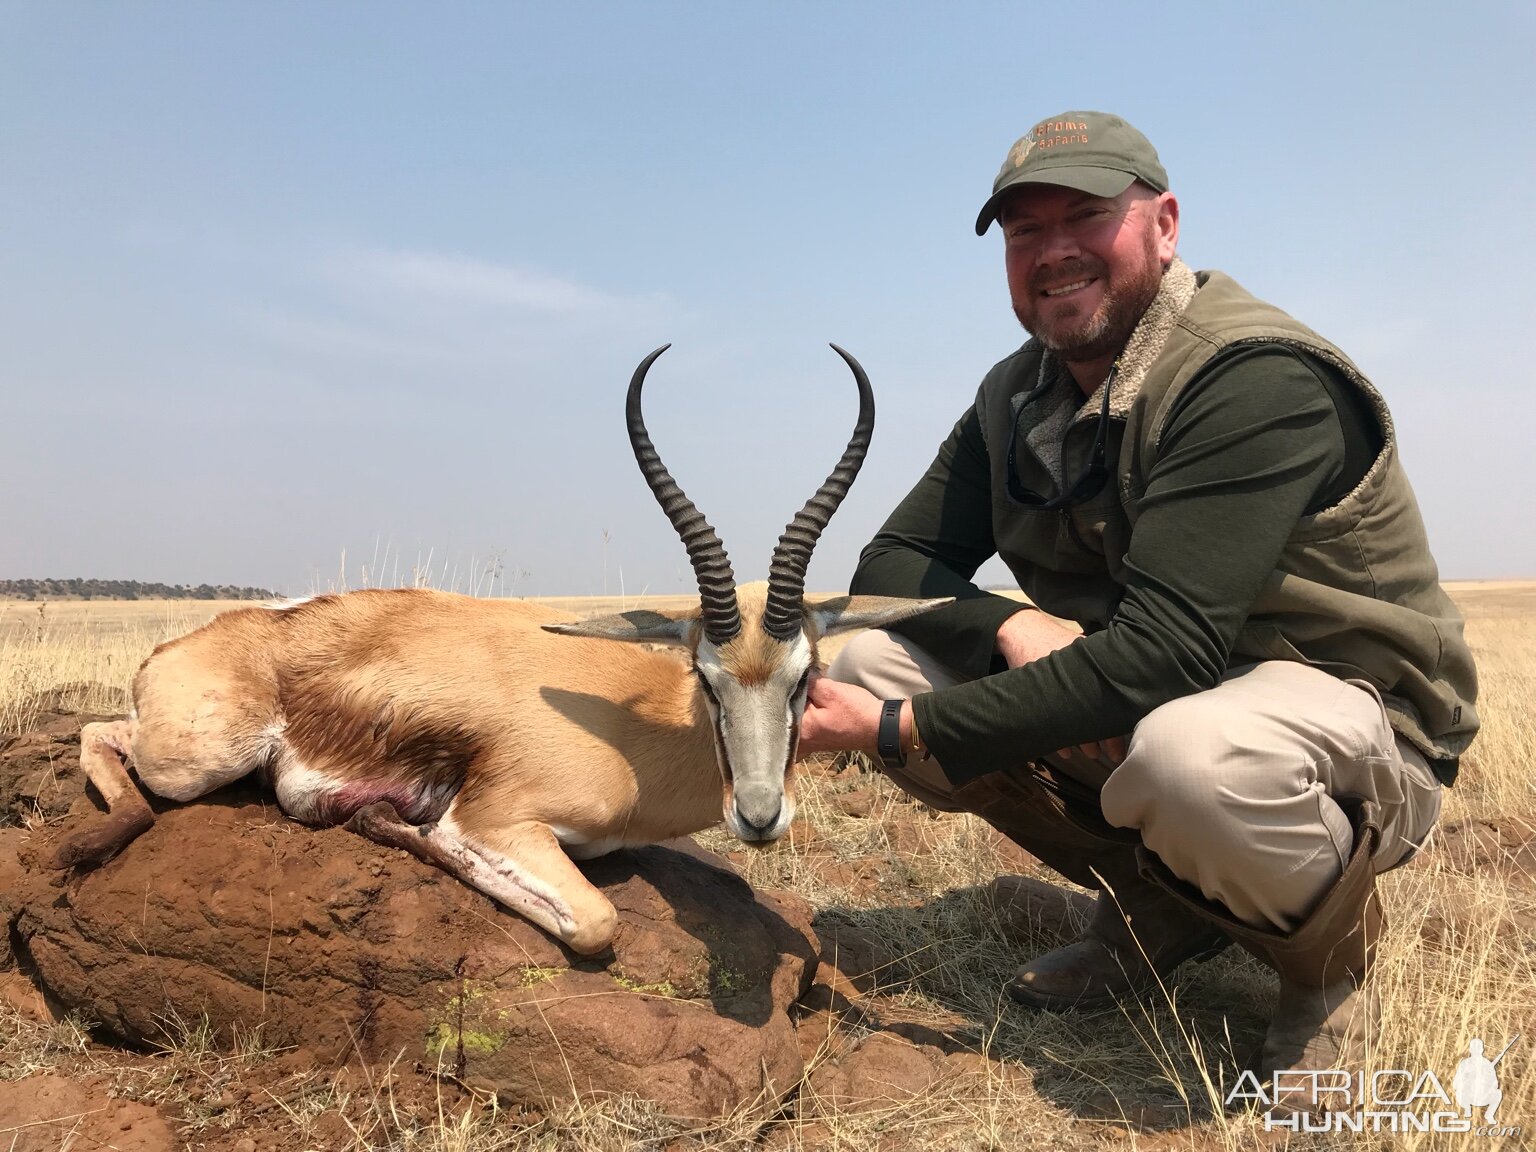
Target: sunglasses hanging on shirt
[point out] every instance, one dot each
(1089, 484)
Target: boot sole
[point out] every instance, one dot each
(1028, 997)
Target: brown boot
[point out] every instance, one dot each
(1136, 939)
(1327, 1011)
(1314, 1030)
(1056, 818)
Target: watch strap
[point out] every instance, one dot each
(888, 735)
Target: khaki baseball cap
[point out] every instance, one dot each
(1093, 152)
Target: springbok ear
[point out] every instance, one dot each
(639, 626)
(844, 613)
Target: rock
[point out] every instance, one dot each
(831, 991)
(337, 944)
(1454, 927)
(825, 764)
(886, 1069)
(1141, 1116)
(47, 1113)
(1010, 857)
(914, 835)
(858, 803)
(829, 1016)
(1467, 844)
(40, 770)
(855, 763)
(1029, 909)
(854, 954)
(1507, 847)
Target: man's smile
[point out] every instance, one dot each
(1066, 289)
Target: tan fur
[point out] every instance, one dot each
(457, 729)
(753, 655)
(413, 688)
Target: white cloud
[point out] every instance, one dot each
(378, 316)
(464, 280)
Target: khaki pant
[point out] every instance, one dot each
(1232, 788)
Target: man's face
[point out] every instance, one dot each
(1082, 269)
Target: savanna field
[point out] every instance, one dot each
(905, 1036)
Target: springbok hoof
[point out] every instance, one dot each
(378, 821)
(102, 840)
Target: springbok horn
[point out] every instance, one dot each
(786, 572)
(711, 566)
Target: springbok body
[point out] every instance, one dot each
(489, 737)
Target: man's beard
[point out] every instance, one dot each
(1085, 339)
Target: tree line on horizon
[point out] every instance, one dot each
(78, 589)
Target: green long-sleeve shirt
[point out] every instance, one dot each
(1264, 435)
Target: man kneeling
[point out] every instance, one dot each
(1269, 689)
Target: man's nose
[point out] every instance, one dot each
(1057, 243)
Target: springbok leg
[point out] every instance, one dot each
(102, 750)
(526, 872)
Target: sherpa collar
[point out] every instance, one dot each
(1060, 400)
(1141, 350)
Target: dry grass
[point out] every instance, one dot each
(1460, 962)
(82, 654)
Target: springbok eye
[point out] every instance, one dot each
(708, 691)
(805, 681)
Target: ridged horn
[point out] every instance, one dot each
(786, 572)
(711, 566)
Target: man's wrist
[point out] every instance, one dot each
(890, 741)
(1031, 633)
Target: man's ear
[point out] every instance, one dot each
(640, 626)
(844, 613)
(1167, 208)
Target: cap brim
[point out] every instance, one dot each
(1082, 178)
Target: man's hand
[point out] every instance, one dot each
(838, 717)
(1108, 752)
(1031, 634)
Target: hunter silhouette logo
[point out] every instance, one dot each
(1476, 1083)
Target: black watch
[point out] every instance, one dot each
(888, 735)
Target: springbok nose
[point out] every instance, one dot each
(759, 806)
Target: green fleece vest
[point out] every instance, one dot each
(1356, 591)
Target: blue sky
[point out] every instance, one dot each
(287, 283)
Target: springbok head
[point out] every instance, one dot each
(752, 649)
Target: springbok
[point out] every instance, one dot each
(488, 737)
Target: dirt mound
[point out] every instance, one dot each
(1509, 846)
(887, 1069)
(318, 963)
(326, 941)
(47, 1113)
(39, 769)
